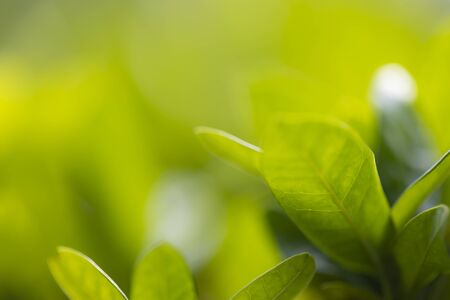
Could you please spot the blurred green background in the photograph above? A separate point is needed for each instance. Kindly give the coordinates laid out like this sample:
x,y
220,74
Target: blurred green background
x,y
98,100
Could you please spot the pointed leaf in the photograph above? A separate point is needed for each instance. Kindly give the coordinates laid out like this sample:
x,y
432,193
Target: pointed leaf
x,y
420,250
230,148
81,279
325,178
417,192
283,282
163,275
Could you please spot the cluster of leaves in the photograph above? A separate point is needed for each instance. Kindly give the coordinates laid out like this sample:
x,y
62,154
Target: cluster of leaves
x,y
325,178
163,274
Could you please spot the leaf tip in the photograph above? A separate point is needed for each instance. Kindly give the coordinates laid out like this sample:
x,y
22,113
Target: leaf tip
x,y
65,249
199,130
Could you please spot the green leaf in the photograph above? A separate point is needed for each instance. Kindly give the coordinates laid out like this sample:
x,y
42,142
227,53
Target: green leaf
x,y
325,178
80,278
420,250
284,281
417,192
230,148
163,275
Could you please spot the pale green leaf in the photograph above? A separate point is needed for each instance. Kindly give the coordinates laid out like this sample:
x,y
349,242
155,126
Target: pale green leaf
x,y
163,275
81,279
325,178
417,192
283,282
420,250
230,148
434,92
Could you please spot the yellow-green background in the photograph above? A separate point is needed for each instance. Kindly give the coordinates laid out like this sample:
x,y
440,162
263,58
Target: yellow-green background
x,y
98,100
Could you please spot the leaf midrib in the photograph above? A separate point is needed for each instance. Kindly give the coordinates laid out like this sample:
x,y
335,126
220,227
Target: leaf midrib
x,y
341,208
289,283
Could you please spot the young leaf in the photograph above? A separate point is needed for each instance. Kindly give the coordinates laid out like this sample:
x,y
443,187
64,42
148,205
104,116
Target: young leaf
x,y
81,279
417,192
420,250
284,281
162,275
230,148
325,178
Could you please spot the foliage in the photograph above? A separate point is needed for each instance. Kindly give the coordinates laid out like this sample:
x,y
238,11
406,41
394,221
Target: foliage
x,y
325,179
97,104
163,274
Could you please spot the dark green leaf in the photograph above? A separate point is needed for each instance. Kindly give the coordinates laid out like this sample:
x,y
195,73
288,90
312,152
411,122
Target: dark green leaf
x,y
416,193
163,275
324,176
420,251
230,148
283,282
81,279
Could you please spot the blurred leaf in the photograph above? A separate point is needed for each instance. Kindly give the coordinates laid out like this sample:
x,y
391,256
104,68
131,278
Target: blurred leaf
x,y
405,148
230,148
343,291
248,250
81,279
329,40
434,97
163,275
434,101
284,281
420,250
294,92
417,192
325,178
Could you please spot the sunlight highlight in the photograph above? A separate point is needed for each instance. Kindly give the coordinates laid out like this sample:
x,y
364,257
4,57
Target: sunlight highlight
x,y
392,85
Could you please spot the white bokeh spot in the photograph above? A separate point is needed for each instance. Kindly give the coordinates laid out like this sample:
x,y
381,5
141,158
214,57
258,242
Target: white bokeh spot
x,y
392,85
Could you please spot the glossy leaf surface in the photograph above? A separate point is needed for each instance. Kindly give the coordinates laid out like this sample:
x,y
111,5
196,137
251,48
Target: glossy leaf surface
x,y
324,176
230,148
81,279
284,282
420,250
